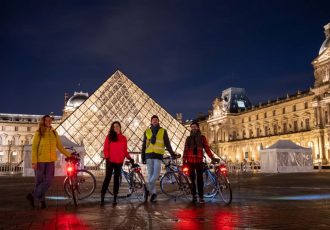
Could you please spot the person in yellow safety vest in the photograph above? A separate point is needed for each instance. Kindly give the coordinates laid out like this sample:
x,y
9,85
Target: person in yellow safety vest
x,y
153,148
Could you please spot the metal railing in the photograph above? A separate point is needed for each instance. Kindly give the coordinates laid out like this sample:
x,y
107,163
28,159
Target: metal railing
x,y
11,168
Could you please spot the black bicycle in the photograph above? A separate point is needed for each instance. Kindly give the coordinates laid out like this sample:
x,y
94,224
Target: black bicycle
x,y
131,182
79,183
175,182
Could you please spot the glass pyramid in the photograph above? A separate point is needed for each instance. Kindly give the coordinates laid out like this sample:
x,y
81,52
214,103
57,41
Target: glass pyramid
x,y
118,99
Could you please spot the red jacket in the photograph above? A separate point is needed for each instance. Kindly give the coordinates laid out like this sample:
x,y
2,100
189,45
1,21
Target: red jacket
x,y
188,153
116,151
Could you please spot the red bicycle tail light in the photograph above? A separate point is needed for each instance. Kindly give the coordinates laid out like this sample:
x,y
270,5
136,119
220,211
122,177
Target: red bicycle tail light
x,y
223,169
69,169
185,170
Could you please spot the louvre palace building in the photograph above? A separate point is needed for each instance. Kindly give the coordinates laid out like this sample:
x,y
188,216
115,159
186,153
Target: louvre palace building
x,y
236,129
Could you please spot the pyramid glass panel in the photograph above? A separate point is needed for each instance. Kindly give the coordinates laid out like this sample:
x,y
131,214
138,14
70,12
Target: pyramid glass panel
x,y
118,99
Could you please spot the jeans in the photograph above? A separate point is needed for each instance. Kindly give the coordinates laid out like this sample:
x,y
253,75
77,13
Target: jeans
x,y
44,175
109,168
153,168
194,169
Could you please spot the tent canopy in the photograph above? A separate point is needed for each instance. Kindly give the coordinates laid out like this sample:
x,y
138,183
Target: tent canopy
x,y
286,144
286,156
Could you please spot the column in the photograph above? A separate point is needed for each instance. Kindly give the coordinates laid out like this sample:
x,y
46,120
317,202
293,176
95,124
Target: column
x,y
320,116
316,116
328,109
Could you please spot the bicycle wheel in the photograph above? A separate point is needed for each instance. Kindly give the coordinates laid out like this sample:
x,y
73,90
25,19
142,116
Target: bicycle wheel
x,y
85,186
73,191
210,185
125,189
225,189
170,185
138,185
185,185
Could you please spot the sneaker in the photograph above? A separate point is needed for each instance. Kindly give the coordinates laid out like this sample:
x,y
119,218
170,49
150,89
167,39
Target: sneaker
x,y
201,200
30,198
146,196
43,205
153,197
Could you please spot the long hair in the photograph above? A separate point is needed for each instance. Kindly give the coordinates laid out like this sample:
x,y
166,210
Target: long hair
x,y
112,134
42,128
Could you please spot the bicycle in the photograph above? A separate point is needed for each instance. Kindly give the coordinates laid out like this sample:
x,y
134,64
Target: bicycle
x,y
217,182
175,181
134,182
79,183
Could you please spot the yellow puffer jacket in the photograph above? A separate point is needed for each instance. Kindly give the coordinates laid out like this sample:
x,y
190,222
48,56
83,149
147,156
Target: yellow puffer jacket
x,y
44,148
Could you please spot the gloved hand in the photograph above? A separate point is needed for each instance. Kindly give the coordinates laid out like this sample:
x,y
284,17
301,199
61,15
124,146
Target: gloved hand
x,y
215,160
131,161
175,156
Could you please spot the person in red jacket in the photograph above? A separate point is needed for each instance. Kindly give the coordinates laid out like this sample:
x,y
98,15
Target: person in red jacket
x,y
193,158
115,151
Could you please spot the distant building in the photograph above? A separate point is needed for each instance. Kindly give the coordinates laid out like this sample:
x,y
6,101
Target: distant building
x,y
237,130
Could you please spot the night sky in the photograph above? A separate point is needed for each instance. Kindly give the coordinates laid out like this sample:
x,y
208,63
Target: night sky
x,y
181,53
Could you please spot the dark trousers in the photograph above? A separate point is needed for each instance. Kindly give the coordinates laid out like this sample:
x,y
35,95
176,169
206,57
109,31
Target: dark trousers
x,y
196,169
109,168
44,175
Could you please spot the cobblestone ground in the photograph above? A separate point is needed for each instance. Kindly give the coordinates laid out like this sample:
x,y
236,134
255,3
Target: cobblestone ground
x,y
260,201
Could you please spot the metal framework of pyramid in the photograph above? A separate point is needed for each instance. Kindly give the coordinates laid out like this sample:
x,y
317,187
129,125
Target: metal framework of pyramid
x,y
118,99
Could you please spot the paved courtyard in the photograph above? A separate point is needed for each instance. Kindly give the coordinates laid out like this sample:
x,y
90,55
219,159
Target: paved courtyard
x,y
260,201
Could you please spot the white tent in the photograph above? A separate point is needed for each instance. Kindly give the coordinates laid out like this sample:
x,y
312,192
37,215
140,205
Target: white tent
x,y
59,164
286,156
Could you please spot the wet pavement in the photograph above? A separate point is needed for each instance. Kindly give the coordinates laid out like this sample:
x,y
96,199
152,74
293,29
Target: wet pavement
x,y
260,201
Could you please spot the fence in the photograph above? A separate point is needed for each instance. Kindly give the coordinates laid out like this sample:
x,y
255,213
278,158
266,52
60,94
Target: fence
x,y
11,169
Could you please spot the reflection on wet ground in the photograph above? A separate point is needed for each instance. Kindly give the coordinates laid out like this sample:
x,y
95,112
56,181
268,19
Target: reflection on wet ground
x,y
260,201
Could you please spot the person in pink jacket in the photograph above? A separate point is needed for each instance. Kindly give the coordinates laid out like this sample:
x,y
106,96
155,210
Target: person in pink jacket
x,y
115,151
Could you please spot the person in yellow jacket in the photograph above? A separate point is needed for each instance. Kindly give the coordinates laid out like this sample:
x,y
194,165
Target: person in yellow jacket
x,y
153,148
44,145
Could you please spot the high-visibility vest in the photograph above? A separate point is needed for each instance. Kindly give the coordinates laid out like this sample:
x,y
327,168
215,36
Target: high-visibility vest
x,y
159,146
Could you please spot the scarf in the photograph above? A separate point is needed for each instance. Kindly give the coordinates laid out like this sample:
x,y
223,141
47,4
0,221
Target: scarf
x,y
154,130
195,141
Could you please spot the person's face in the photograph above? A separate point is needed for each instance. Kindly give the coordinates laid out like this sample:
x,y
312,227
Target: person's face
x,y
194,128
116,128
154,121
48,122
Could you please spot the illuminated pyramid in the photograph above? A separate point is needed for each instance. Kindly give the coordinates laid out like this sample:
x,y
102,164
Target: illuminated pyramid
x,y
118,99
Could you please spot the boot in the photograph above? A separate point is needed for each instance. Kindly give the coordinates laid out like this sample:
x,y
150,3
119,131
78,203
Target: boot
x,y
114,202
102,199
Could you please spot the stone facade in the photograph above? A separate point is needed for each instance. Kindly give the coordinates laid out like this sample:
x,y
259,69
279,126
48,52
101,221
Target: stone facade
x,y
303,118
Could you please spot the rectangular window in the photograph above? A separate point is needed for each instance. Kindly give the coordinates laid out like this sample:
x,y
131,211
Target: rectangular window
x,y
258,132
265,115
29,129
294,108
257,117
306,105
285,128
307,123
274,113
326,117
295,126
266,130
16,128
275,129
283,110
